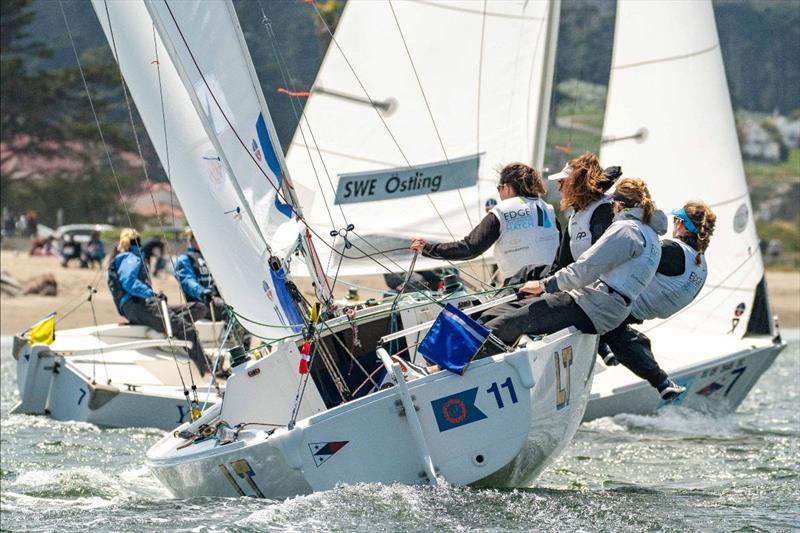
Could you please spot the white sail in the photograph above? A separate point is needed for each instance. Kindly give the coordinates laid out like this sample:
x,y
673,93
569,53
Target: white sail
x,y
232,242
219,75
669,121
456,88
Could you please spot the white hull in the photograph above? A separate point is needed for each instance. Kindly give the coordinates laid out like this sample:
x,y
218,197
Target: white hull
x,y
517,412
133,382
717,372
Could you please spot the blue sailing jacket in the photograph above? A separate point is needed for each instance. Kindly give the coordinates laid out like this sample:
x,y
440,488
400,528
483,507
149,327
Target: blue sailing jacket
x,y
127,278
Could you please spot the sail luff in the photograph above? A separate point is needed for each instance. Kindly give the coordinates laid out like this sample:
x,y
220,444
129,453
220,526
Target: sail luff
x,y
221,153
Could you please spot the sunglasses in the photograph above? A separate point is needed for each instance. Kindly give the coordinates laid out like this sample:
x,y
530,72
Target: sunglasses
x,y
500,186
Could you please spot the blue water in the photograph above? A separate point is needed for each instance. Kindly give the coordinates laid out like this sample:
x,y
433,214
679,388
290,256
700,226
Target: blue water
x,y
678,470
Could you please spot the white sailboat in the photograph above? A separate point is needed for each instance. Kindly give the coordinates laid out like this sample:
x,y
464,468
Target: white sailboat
x,y
669,121
277,433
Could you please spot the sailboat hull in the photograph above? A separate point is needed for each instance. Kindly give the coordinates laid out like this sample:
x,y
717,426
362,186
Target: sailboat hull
x,y
112,376
499,424
715,383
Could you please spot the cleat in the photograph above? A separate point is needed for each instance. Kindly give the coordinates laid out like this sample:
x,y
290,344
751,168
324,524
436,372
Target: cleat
x,y
669,390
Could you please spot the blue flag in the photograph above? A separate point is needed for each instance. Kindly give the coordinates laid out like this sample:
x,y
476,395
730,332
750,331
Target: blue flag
x,y
457,410
453,340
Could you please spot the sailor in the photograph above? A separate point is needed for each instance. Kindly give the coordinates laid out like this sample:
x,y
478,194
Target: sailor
x,y
679,278
199,288
135,299
594,293
195,278
583,184
522,227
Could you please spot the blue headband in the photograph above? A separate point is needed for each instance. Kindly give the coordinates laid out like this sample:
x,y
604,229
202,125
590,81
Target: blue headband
x,y
687,222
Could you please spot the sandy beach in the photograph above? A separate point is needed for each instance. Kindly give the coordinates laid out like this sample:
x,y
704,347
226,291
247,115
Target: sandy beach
x,y
19,312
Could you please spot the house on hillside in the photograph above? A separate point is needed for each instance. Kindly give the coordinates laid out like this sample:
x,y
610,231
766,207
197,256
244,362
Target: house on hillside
x,y
154,200
49,158
757,143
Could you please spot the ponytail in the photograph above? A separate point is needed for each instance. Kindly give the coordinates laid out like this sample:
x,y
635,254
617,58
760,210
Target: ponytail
x,y
704,220
128,237
633,192
523,179
582,186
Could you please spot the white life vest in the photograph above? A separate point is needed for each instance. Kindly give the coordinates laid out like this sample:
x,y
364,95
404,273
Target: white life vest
x,y
528,234
666,295
579,227
631,277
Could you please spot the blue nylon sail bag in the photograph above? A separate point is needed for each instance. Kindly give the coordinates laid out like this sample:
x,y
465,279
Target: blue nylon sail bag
x,y
453,340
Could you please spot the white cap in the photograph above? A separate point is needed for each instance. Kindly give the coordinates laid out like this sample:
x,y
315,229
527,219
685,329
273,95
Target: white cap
x,y
563,173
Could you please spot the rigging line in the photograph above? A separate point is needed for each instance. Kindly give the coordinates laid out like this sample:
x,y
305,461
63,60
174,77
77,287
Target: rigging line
x,y
102,352
94,114
100,129
152,197
478,119
300,117
442,5
377,111
711,291
427,104
168,168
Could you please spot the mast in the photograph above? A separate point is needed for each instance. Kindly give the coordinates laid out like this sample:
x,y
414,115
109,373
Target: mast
x,y
542,119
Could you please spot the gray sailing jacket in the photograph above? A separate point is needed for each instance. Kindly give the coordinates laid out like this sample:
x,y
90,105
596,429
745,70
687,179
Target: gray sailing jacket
x,y
622,242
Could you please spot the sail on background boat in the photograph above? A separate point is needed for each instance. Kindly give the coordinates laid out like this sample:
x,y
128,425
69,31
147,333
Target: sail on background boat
x,y
456,91
668,82
213,200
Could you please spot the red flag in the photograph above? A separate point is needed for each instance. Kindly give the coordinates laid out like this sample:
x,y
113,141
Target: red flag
x,y
305,357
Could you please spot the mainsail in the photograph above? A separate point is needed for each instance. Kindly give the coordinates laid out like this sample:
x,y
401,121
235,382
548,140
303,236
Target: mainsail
x,y
221,210
669,121
416,106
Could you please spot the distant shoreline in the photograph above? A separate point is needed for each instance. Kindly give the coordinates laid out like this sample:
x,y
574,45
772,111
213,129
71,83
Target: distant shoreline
x,y
17,313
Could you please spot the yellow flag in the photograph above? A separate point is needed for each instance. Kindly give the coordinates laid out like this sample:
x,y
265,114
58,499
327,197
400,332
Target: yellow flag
x,y
44,332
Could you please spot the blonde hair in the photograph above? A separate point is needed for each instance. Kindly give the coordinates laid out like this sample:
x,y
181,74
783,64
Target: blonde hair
x,y
582,186
126,238
704,220
524,179
633,192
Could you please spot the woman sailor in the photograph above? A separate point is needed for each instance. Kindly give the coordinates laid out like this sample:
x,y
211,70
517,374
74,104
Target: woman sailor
x,y
129,283
679,278
594,293
583,184
522,227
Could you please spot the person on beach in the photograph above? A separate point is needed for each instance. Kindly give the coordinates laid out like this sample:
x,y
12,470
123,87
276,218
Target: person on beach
x,y
583,185
522,227
129,283
94,253
680,276
594,293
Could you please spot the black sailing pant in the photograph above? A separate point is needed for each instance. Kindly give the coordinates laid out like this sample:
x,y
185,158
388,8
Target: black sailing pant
x,y
541,315
633,350
147,313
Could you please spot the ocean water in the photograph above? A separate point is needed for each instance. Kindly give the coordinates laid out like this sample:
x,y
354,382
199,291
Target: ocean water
x,y
677,470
